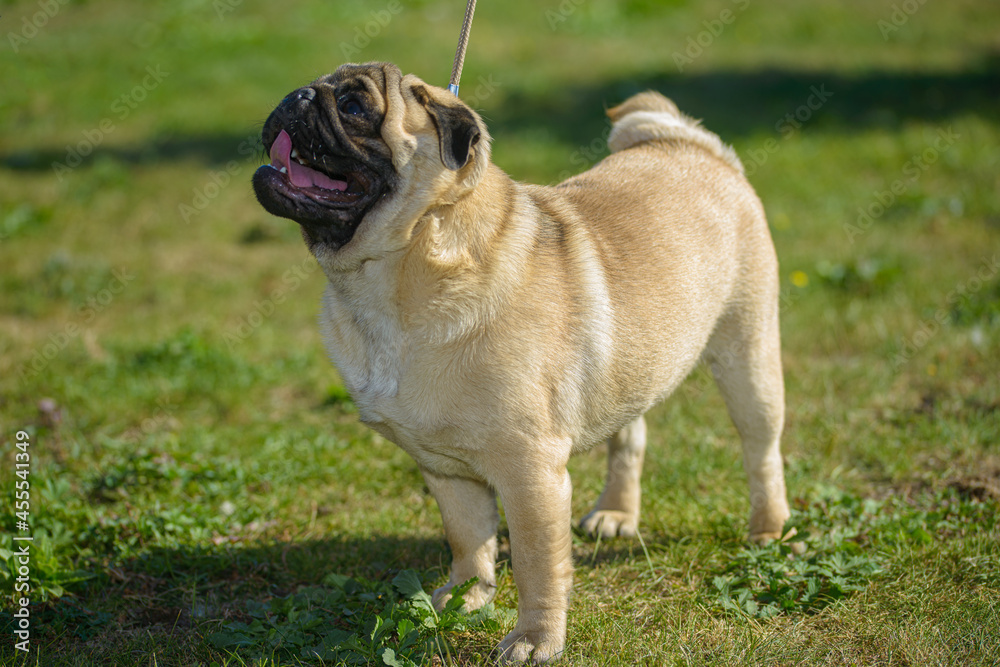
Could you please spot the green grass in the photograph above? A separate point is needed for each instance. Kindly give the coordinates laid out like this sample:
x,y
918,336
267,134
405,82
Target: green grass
x,y
197,473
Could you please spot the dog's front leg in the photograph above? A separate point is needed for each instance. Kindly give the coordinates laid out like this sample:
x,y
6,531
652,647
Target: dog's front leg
x,y
469,511
536,501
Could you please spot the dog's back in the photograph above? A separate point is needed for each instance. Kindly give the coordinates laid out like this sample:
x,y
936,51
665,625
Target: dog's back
x,y
679,246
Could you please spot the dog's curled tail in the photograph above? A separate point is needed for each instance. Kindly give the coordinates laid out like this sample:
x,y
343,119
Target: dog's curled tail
x,y
650,116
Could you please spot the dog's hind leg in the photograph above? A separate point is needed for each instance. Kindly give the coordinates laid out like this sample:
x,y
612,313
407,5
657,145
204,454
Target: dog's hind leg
x,y
617,510
745,358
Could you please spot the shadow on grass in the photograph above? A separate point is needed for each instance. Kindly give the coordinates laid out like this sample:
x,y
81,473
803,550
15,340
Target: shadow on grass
x,y
188,585
282,566
739,104
180,588
170,597
169,600
286,565
732,103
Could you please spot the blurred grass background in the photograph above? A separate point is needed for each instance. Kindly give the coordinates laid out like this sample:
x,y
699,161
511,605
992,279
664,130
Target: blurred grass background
x,y
192,447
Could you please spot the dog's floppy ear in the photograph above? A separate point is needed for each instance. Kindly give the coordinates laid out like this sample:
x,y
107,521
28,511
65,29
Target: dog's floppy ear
x,y
458,131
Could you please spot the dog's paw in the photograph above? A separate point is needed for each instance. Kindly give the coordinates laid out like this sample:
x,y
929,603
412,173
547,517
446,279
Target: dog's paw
x,y
766,537
520,647
477,596
610,523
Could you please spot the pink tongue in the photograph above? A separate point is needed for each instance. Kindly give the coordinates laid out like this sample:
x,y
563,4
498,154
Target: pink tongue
x,y
281,149
300,175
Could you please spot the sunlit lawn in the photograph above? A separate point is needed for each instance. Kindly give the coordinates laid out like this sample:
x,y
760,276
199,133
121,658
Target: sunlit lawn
x,y
192,453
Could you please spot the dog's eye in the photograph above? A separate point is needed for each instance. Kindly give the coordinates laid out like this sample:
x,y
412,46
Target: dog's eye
x,y
350,106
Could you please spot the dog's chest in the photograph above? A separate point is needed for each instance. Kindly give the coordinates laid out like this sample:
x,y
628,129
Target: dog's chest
x,y
365,343
393,393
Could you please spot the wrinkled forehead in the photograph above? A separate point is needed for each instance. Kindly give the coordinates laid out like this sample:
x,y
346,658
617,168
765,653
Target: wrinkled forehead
x,y
368,81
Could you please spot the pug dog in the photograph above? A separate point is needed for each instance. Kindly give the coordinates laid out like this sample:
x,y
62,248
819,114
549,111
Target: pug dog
x,y
492,328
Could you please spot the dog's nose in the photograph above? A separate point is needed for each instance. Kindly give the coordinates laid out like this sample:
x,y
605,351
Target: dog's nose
x,y
305,94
